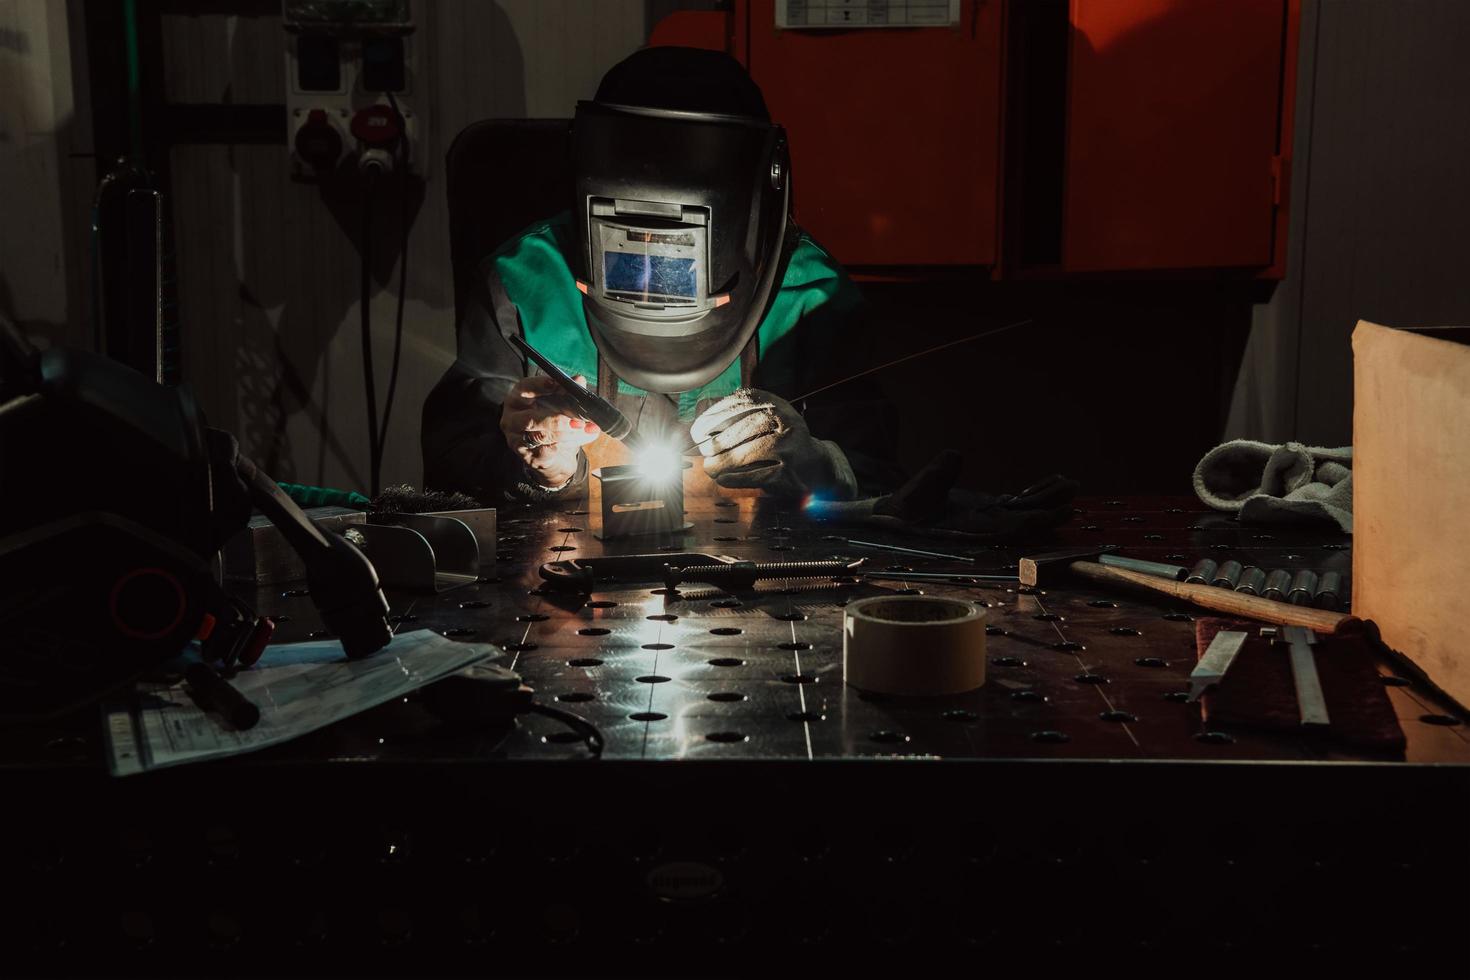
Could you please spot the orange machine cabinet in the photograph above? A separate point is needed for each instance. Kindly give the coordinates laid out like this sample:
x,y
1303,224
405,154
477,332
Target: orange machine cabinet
x,y
894,131
1175,135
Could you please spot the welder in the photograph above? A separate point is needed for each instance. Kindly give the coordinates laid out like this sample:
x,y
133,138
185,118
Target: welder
x,y
678,286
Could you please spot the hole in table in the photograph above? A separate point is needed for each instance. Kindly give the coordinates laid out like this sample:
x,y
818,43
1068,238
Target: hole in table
x,y
1008,661
295,593
726,538
726,662
795,645
658,646
727,697
1125,631
561,547
517,647
1050,736
960,714
1090,679
790,617
576,697
1047,617
1117,716
1214,738
889,737
1151,662
569,530
995,631
1034,697
806,716
593,631
1103,604
562,738
652,679
1179,617
474,604
532,618
1177,696
1068,646
584,662
726,631
727,737
798,679
648,716
662,617
600,604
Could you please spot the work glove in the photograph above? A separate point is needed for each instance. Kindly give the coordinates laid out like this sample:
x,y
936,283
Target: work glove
x,y
754,439
930,503
1271,484
542,427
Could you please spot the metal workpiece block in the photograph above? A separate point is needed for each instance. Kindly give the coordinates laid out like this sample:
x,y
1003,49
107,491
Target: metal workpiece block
x,y
1228,574
1252,581
1278,584
1329,591
1303,588
628,501
1203,572
260,555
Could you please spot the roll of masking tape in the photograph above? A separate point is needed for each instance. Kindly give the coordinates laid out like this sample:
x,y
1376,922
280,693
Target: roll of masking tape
x,y
913,645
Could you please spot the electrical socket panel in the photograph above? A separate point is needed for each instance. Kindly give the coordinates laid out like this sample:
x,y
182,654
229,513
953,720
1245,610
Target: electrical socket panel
x,y
339,119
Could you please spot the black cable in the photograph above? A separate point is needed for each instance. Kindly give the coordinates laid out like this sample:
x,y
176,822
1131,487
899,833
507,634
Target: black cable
x,y
369,386
403,219
589,732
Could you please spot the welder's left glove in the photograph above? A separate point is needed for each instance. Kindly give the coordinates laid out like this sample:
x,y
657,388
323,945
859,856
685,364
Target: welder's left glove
x,y
754,439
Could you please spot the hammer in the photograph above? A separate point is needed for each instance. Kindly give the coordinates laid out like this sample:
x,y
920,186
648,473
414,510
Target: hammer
x,y
1057,567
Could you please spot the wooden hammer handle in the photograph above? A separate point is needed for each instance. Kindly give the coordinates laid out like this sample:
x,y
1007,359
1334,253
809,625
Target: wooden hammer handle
x,y
1223,600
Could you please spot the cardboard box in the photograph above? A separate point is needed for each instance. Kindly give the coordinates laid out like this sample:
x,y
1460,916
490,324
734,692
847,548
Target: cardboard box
x,y
1411,495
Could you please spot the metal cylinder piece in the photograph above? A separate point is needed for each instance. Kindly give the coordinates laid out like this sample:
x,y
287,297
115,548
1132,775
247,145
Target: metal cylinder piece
x,y
1329,591
1252,581
1278,583
1303,588
1203,572
1228,574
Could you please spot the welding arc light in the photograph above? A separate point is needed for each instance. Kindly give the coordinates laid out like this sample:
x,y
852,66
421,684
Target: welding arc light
x,y
659,464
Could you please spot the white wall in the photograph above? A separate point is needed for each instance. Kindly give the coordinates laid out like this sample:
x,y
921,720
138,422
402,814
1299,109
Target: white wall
x,y
45,175
1380,224
269,278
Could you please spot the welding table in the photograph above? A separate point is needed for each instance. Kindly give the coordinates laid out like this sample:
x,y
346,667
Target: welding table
x,y
747,801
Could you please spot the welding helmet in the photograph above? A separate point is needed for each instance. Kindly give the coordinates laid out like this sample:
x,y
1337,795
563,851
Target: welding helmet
x,y
682,206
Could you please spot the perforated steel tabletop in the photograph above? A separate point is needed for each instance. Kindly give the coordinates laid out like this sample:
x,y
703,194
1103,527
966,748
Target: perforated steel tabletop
x,y
1086,673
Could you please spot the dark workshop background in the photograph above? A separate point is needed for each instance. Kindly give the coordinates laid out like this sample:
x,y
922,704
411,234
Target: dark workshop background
x,y
1122,381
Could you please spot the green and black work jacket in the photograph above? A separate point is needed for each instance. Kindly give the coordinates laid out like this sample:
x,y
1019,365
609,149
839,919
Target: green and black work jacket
x,y
806,336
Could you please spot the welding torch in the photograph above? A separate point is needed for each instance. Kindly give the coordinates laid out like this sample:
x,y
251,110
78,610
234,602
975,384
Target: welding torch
x,y
589,404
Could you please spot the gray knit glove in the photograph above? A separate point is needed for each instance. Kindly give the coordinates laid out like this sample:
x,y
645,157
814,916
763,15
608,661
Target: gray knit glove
x,y
1283,484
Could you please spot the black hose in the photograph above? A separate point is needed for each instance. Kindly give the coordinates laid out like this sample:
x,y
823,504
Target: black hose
x,y
369,385
403,220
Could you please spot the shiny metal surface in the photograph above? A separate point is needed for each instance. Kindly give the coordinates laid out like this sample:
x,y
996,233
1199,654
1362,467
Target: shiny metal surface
x,y
1075,672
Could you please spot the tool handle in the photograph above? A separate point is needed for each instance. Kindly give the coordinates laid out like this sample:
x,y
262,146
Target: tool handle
x,y
590,404
1221,600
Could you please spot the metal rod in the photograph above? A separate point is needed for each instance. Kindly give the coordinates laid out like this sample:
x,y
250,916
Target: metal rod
x,y
909,551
